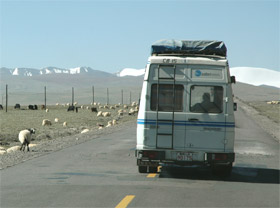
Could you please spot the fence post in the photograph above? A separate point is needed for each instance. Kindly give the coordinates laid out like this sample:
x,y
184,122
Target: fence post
x,y
107,96
72,96
45,97
92,94
122,97
6,98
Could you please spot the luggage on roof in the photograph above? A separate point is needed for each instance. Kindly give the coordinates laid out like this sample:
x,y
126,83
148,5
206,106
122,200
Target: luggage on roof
x,y
189,47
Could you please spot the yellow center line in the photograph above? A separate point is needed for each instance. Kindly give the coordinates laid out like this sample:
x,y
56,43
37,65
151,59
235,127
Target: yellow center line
x,y
151,175
126,200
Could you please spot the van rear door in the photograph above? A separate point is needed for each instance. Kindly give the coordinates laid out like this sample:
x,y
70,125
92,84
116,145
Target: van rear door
x,y
205,122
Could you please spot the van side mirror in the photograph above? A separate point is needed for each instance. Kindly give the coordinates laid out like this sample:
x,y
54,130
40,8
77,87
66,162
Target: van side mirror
x,y
235,106
232,79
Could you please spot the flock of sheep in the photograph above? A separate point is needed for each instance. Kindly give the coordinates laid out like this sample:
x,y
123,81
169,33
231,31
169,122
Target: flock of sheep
x,y
273,102
25,135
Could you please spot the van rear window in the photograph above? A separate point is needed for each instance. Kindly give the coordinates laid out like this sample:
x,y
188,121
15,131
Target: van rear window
x,y
162,97
206,99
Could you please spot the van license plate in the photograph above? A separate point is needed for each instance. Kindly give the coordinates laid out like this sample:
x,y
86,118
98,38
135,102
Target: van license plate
x,y
185,156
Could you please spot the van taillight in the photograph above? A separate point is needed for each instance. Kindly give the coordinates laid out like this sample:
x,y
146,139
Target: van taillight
x,y
219,156
150,154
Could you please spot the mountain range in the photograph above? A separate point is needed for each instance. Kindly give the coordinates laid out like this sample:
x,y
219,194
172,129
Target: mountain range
x,y
26,85
248,75
29,72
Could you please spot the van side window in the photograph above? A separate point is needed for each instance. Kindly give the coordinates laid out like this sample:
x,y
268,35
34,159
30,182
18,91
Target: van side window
x,y
206,99
165,97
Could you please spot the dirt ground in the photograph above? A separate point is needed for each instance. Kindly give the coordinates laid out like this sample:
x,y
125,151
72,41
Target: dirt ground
x,y
55,137
13,121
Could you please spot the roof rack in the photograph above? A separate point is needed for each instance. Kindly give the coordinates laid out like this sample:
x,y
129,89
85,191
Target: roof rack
x,y
189,47
188,55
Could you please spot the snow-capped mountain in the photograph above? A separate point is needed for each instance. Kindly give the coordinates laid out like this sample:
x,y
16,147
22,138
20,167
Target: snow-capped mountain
x,y
256,76
248,75
130,72
24,72
51,70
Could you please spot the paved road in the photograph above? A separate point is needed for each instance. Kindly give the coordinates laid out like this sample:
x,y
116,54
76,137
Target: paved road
x,y
103,173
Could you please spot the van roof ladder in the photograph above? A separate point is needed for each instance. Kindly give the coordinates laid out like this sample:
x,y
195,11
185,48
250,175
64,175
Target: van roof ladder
x,y
173,105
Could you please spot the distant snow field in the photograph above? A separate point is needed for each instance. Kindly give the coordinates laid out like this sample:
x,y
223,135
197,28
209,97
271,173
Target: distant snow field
x,y
248,75
256,76
131,72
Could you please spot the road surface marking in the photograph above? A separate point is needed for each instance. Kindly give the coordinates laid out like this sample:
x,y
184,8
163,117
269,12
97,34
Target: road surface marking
x,y
126,200
151,175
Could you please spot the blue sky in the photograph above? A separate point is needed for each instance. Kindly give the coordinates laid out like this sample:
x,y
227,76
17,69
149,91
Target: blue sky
x,y
112,35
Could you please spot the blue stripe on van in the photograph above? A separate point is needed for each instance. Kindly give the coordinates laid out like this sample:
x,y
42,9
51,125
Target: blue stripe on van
x,y
187,123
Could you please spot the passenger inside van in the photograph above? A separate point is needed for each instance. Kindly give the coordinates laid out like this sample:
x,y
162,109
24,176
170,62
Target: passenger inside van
x,y
206,106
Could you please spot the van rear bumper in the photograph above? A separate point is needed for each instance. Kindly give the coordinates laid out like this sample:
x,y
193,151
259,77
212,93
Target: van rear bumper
x,y
154,157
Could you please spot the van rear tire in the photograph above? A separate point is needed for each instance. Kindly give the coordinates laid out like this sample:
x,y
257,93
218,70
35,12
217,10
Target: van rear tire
x,y
152,169
142,169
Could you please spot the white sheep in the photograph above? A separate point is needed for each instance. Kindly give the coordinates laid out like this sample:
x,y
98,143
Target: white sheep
x,y
99,113
47,110
32,145
64,123
134,104
13,149
2,150
24,137
56,120
131,112
46,122
114,122
85,131
109,124
106,114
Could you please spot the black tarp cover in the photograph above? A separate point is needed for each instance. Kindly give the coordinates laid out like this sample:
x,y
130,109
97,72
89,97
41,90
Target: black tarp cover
x,y
195,47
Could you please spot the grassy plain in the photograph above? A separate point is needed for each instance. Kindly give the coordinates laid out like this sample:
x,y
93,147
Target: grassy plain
x,y
268,110
13,121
